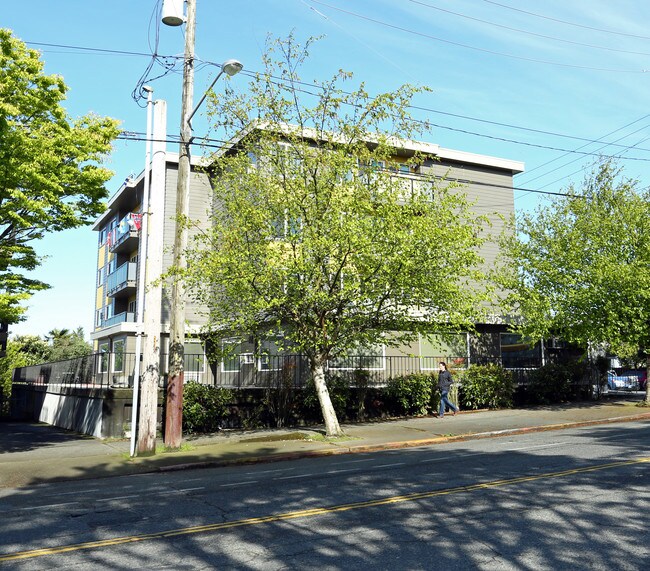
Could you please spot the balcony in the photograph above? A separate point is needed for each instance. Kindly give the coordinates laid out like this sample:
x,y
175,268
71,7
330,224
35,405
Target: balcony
x,y
122,282
124,238
124,317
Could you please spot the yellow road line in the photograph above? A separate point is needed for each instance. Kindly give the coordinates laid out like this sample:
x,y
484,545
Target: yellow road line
x,y
308,512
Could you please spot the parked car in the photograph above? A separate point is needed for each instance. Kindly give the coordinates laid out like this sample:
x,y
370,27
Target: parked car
x,y
626,380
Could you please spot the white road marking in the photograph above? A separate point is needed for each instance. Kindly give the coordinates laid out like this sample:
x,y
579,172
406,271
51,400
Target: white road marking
x,y
238,484
46,506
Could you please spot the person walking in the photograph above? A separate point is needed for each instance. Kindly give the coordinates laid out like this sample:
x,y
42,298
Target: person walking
x,y
444,384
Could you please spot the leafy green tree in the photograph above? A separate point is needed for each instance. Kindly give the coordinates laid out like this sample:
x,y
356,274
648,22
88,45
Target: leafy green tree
x,y
66,344
580,266
34,349
51,177
312,245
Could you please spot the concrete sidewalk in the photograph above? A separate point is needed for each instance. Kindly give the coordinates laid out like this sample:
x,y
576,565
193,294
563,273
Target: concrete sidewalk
x,y
35,453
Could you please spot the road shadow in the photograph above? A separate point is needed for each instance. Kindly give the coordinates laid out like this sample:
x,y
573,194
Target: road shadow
x,y
470,508
26,436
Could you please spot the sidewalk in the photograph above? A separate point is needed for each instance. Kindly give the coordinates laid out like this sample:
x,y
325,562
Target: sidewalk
x,y
35,453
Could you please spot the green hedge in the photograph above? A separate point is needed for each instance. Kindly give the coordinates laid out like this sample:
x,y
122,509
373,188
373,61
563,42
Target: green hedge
x,y
550,384
204,407
486,386
207,408
411,394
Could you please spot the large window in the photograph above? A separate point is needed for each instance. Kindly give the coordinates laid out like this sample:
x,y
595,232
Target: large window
x,y
103,357
269,358
193,361
452,348
118,355
233,350
371,357
519,353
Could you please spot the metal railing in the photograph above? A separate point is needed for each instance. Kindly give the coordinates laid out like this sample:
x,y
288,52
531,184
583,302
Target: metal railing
x,y
106,369
240,371
121,277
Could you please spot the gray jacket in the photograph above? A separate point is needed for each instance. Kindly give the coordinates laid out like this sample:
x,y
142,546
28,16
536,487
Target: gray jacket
x,y
444,380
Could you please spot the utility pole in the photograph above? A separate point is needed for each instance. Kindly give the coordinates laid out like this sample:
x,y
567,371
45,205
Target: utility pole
x,y
142,256
153,263
174,398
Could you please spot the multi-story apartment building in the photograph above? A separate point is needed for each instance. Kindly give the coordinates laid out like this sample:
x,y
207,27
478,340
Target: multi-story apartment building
x,y
487,180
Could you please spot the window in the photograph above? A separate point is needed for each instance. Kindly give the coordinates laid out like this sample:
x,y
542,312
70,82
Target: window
x,y
102,365
132,306
452,348
371,357
269,357
99,317
232,349
519,353
118,352
101,276
193,361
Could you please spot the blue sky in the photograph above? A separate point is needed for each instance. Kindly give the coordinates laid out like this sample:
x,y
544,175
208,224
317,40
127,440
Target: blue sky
x,y
552,84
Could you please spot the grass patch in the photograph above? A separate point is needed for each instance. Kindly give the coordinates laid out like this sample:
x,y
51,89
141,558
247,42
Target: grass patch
x,y
185,447
304,436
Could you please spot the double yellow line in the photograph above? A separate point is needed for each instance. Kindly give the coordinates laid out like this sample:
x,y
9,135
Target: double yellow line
x,y
307,513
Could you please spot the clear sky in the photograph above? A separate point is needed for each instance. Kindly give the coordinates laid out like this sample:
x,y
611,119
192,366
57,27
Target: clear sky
x,y
552,84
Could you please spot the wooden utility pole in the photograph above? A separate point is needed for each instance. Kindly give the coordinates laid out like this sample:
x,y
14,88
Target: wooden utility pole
x,y
174,397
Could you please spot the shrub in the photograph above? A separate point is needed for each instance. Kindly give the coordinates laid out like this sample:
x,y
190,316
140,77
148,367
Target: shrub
x,y
411,394
280,398
204,407
549,384
487,386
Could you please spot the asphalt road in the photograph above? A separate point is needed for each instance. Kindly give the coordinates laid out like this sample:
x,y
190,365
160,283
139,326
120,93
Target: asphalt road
x,y
569,499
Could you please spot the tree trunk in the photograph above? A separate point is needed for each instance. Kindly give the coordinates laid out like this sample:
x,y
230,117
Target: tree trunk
x,y
147,424
646,400
332,427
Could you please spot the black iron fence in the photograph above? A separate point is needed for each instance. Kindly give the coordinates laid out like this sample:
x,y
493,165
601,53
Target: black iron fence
x,y
106,369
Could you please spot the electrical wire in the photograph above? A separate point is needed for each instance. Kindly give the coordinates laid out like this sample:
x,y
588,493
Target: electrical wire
x,y
206,63
527,32
218,144
567,23
467,46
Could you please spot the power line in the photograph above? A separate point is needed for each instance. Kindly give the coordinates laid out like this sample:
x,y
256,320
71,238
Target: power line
x,y
218,144
484,50
567,23
528,32
419,108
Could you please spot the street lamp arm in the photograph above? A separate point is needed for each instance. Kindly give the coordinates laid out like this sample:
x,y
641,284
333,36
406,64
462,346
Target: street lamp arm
x,y
230,67
189,118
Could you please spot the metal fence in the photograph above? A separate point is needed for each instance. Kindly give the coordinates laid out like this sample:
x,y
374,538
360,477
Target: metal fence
x,y
106,369
100,370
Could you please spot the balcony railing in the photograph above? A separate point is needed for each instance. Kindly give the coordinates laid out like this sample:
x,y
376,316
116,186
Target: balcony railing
x,y
122,280
124,237
124,317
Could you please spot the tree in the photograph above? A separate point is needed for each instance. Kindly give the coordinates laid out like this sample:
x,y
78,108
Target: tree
x,y
66,344
51,177
579,268
318,249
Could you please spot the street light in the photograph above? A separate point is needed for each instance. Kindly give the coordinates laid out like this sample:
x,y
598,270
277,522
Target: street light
x,y
174,400
229,67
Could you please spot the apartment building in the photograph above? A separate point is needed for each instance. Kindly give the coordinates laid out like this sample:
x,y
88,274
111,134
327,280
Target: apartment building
x,y
487,181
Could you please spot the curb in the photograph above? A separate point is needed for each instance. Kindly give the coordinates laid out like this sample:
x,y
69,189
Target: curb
x,y
395,445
